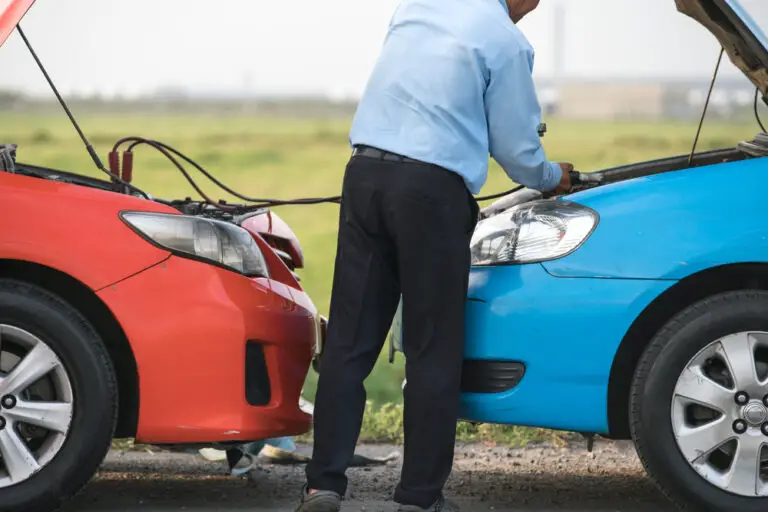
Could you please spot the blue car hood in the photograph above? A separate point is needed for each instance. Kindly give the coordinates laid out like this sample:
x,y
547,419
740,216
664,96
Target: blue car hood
x,y
738,33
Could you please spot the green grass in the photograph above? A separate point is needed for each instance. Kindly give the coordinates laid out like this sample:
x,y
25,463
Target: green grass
x,y
383,424
286,158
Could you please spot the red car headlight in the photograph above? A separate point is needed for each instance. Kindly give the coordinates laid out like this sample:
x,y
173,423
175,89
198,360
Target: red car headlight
x,y
211,241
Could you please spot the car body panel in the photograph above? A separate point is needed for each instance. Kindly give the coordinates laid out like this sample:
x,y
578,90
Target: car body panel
x,y
188,323
273,228
76,231
737,31
711,216
11,12
522,313
278,270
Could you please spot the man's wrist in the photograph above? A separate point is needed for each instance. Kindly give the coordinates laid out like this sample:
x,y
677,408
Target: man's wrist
x,y
553,174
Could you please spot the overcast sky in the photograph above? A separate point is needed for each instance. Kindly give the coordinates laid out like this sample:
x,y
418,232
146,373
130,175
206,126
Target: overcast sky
x,y
327,47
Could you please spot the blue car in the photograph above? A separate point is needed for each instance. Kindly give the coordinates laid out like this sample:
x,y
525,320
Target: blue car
x,y
636,307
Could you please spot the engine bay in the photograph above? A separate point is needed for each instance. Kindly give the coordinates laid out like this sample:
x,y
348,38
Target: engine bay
x,y
756,148
233,213
236,213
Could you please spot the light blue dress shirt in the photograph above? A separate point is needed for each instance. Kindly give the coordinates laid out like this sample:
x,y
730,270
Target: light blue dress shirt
x,y
452,85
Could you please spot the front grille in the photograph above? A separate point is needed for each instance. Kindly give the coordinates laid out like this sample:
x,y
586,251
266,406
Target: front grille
x,y
257,389
483,376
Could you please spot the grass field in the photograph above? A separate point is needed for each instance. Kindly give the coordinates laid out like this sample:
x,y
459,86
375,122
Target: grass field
x,y
286,158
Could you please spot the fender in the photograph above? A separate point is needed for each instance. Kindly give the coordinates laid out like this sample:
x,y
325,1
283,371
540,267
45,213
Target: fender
x,y
277,233
73,229
672,225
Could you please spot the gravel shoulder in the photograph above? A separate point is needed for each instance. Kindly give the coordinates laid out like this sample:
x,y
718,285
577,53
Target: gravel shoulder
x,y
532,479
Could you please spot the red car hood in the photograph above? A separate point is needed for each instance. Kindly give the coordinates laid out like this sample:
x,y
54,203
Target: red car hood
x,y
11,12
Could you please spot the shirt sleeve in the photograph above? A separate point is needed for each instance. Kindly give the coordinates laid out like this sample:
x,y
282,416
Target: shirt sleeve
x,y
514,114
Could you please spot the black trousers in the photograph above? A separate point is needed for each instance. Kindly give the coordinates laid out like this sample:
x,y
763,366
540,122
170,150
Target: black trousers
x,y
404,228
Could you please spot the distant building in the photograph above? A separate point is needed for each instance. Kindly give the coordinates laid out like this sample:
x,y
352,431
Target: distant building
x,y
606,101
642,100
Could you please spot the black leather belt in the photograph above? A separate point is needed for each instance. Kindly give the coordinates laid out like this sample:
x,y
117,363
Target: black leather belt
x,y
379,154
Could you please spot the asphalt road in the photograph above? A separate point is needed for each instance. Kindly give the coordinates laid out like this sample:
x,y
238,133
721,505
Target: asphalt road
x,y
485,478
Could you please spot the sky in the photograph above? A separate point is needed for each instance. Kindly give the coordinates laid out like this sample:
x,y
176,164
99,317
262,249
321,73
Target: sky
x,y
328,47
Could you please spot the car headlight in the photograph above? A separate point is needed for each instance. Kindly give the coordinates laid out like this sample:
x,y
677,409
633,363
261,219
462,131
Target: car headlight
x,y
532,232
211,241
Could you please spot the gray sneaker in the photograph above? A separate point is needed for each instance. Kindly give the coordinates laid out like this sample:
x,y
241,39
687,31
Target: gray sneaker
x,y
320,501
441,505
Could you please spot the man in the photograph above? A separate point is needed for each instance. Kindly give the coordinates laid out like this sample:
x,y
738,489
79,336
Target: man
x,y
452,85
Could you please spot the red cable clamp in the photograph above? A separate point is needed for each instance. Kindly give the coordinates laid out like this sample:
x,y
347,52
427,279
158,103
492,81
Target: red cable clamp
x,y
127,166
114,165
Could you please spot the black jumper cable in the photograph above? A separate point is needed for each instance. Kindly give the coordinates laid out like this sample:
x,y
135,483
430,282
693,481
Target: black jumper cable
x,y
122,175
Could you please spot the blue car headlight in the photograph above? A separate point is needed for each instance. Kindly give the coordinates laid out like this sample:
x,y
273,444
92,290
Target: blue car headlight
x,y
532,232
211,241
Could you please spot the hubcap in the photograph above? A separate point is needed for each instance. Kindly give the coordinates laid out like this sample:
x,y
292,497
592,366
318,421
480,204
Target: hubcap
x,y
721,437
36,405
755,414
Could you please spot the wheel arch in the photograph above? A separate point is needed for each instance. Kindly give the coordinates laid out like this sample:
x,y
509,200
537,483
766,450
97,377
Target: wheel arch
x,y
686,292
82,298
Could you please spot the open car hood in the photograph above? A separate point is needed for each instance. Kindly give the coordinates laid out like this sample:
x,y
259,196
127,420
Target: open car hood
x,y
740,35
11,12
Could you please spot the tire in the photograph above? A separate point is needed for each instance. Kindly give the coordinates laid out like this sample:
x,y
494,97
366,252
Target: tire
x,y
657,396
91,379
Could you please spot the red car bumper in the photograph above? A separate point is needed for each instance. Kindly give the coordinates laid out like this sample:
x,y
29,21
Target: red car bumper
x,y
220,357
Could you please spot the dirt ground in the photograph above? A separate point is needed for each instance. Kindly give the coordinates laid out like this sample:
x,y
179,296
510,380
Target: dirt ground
x,y
533,479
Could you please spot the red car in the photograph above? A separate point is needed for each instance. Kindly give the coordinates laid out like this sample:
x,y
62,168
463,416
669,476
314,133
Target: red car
x,y
171,322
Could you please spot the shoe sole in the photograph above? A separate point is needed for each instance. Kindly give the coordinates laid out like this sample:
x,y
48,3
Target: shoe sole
x,y
320,504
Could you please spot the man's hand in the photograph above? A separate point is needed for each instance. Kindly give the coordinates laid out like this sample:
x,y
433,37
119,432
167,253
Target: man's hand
x,y
565,181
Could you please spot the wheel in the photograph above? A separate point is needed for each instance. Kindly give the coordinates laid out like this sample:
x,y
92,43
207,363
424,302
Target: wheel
x,y
699,405
58,400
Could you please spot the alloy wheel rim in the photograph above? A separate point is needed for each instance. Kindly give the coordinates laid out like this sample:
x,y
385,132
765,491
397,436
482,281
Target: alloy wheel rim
x,y
720,413
36,405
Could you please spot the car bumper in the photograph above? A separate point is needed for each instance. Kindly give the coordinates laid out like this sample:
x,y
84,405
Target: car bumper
x,y
564,332
220,357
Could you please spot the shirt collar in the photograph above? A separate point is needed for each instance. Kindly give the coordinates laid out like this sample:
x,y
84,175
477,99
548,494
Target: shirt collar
x,y
504,4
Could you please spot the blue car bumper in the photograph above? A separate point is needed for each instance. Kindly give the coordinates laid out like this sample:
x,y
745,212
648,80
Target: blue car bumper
x,y
566,332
